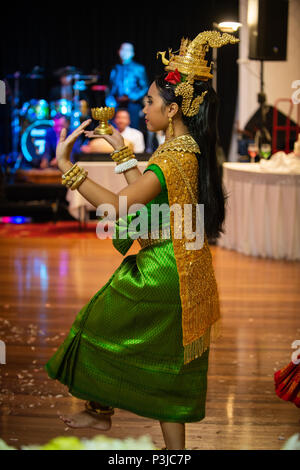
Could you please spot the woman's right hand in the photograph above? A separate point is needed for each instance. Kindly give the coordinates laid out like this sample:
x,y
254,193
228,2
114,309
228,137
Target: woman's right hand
x,y
65,143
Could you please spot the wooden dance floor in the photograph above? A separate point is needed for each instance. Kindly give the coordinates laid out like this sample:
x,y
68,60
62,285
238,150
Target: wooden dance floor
x,y
44,284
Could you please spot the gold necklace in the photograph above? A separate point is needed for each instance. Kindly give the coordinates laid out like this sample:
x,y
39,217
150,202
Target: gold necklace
x,y
173,138
182,143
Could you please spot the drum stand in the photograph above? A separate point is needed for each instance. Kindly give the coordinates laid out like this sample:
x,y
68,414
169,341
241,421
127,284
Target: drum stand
x,y
83,217
75,118
15,124
15,158
15,117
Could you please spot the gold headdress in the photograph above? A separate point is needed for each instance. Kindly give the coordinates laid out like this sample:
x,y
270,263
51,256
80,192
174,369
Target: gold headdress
x,y
191,63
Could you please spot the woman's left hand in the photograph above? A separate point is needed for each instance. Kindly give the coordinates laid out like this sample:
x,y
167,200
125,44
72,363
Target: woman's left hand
x,y
116,140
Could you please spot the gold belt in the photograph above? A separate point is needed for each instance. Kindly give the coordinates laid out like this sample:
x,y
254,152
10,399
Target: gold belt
x,y
155,237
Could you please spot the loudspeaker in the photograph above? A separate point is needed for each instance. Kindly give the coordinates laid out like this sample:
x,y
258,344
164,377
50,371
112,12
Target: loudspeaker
x,y
268,25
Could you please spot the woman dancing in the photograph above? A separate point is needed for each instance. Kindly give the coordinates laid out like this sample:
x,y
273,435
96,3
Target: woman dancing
x,y
142,342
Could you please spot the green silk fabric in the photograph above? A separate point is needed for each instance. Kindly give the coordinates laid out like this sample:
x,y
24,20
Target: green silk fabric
x,y
125,348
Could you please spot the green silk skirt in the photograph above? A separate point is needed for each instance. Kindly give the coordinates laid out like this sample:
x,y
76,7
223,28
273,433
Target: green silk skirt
x,y
125,349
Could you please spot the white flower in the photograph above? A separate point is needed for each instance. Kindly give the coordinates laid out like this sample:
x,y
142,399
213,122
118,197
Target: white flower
x,y
293,443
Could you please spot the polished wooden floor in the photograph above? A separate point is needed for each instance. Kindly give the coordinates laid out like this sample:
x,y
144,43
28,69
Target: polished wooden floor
x,y
45,282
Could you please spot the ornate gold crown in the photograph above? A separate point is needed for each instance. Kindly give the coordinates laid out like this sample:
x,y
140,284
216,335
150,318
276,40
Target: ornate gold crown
x,y
191,63
191,57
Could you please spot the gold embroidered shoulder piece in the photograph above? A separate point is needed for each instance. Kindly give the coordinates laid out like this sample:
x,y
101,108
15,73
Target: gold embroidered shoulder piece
x,y
183,143
198,287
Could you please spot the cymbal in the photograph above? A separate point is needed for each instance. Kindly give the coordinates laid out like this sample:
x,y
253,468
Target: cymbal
x,y
34,76
88,77
68,70
15,75
36,73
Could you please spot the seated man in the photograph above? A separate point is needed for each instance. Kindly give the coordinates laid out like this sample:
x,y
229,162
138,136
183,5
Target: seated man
x,y
133,138
122,122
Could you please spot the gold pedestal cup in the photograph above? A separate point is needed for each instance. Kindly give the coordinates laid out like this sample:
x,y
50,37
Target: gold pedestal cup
x,y
103,115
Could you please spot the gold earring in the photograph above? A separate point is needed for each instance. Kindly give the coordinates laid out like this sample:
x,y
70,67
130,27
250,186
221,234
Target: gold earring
x,y
171,130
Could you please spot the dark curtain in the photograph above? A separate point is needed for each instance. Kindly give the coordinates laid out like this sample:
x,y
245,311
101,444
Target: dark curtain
x,y
88,35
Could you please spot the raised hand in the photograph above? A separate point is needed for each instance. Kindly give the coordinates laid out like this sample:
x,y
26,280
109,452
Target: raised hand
x,y
65,144
116,140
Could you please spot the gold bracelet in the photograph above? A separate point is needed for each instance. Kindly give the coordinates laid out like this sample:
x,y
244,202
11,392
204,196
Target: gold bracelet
x,y
118,156
72,177
123,157
72,180
71,169
127,151
119,150
125,160
71,173
79,181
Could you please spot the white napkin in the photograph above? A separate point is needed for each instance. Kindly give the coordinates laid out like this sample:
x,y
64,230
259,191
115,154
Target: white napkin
x,y
281,162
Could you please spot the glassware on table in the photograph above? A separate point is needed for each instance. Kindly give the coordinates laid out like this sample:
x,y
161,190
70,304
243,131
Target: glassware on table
x,y
265,151
252,151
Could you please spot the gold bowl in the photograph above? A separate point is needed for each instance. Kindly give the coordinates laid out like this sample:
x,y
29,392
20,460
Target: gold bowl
x,y
103,115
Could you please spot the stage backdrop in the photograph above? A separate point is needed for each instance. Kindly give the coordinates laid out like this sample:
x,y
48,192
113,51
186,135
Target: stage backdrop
x,y
87,35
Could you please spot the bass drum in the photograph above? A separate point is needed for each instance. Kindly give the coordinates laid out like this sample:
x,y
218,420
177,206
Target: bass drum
x,y
33,141
35,110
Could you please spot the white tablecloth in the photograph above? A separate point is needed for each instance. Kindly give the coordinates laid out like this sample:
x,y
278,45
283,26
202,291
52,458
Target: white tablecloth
x,y
263,211
102,173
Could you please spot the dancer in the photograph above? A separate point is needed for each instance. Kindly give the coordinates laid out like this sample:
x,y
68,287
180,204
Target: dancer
x,y
142,342
287,381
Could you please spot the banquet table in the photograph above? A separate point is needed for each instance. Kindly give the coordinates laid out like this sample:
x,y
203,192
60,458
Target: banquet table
x,y
102,173
262,211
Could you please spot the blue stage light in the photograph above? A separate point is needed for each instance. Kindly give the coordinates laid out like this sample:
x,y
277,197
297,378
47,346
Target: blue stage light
x,y
18,219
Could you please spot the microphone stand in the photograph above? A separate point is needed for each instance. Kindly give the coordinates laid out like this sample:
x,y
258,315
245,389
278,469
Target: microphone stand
x,y
75,121
262,134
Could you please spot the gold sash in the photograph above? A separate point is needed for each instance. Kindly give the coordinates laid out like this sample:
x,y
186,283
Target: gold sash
x,y
198,287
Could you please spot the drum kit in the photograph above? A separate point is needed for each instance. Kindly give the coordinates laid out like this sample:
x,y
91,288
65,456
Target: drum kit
x,y
31,120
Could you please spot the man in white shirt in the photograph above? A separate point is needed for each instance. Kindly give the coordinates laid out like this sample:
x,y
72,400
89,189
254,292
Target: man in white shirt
x,y
122,122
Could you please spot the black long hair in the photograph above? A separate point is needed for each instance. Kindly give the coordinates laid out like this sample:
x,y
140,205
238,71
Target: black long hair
x,y
203,128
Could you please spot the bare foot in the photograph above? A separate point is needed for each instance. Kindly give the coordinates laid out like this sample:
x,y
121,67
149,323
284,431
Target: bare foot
x,y
86,420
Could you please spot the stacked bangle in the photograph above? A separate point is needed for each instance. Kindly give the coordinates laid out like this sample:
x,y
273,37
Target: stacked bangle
x,y
74,177
120,155
124,158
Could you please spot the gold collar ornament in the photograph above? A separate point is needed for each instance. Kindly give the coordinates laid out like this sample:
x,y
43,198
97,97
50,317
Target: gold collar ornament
x,y
190,65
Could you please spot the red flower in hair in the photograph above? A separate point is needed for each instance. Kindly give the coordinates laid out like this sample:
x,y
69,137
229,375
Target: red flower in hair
x,y
173,77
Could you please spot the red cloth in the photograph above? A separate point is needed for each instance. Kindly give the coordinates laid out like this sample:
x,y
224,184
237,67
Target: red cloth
x,y
287,383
